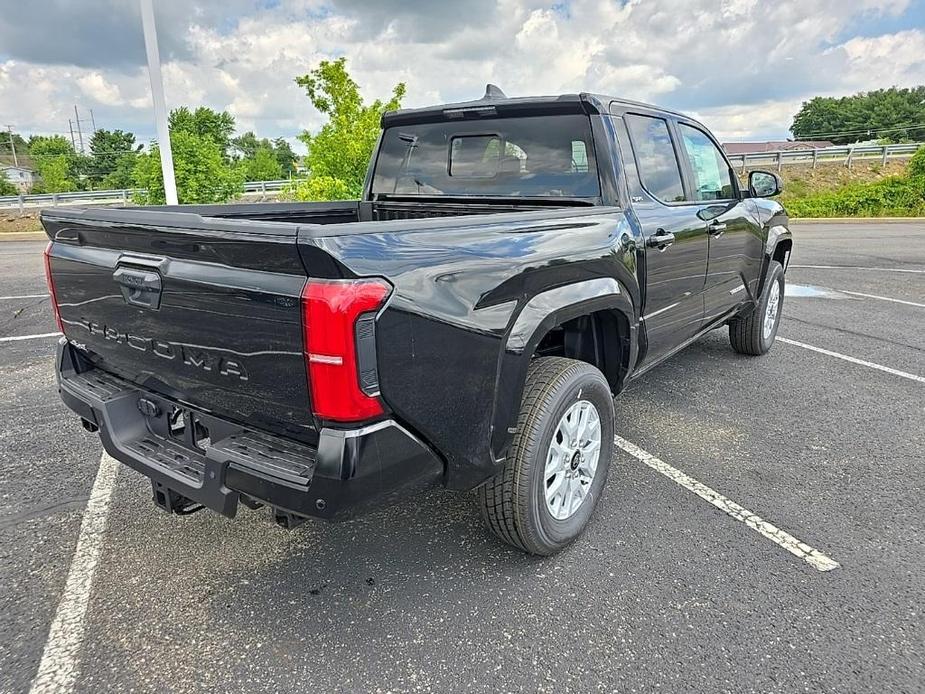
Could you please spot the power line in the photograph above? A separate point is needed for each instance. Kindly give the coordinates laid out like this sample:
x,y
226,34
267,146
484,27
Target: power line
x,y
862,131
102,151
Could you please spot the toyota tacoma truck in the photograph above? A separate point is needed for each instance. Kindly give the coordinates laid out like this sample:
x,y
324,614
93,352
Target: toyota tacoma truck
x,y
512,265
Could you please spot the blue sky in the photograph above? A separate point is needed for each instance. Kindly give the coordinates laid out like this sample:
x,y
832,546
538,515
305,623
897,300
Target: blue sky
x,y
742,66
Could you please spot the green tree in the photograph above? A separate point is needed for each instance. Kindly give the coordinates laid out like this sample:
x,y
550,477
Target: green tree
x,y
58,165
247,146
262,166
285,156
890,115
339,153
204,122
112,158
201,172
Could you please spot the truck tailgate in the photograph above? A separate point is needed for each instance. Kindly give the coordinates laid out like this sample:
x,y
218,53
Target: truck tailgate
x,y
206,312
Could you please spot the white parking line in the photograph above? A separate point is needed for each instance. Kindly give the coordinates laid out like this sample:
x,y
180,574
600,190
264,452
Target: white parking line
x,y
811,556
882,298
857,267
61,659
17,338
853,360
23,296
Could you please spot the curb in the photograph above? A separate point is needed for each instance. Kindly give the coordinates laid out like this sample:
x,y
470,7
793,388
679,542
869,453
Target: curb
x,y
23,236
857,220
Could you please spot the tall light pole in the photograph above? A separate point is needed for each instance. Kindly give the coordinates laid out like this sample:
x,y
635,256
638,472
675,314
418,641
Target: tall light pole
x,y
157,96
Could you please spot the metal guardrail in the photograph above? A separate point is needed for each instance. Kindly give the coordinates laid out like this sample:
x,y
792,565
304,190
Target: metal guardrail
x,y
846,155
113,197
780,158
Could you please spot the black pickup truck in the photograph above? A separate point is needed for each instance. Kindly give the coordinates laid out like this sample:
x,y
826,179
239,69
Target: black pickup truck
x,y
513,264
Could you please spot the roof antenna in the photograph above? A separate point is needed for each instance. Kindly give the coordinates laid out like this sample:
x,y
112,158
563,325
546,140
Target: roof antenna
x,y
493,91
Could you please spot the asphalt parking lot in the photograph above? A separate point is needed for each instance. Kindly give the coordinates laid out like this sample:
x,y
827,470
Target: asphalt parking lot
x,y
664,592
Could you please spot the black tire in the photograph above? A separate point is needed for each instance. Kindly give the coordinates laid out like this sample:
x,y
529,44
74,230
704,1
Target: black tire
x,y
513,503
747,333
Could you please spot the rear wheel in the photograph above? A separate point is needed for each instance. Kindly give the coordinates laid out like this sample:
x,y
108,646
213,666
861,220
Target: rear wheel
x,y
755,333
559,460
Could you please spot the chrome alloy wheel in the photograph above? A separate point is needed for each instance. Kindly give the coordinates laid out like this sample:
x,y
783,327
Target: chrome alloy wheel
x,y
571,462
770,315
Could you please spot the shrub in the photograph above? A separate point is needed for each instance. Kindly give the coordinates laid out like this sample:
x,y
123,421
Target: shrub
x,y
321,188
901,196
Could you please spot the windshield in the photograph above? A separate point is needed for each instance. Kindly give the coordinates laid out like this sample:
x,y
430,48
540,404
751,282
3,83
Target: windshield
x,y
531,156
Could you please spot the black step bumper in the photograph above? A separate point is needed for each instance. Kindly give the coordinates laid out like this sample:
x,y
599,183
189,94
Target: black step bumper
x,y
215,462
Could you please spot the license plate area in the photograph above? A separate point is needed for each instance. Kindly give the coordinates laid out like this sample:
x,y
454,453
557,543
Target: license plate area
x,y
181,425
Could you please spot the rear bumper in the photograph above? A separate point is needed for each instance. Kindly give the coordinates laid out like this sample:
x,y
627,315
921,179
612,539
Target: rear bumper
x,y
217,463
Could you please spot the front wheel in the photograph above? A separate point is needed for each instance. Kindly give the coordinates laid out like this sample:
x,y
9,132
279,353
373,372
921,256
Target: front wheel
x,y
754,334
553,477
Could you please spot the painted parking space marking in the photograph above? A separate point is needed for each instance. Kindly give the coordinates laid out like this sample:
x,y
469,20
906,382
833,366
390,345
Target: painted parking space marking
x,y
17,338
23,296
60,662
811,556
854,360
858,267
883,298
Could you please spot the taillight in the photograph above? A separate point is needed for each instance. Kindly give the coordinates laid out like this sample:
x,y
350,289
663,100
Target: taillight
x,y
338,332
51,288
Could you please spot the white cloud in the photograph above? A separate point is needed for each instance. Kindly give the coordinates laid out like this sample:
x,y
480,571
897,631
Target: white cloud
x,y
743,66
899,56
98,88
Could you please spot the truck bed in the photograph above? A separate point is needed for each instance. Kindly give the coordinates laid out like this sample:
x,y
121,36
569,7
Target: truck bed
x,y
348,211
227,336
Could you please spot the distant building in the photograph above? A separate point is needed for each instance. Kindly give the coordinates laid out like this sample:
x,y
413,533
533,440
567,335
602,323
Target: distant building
x,y
19,176
754,147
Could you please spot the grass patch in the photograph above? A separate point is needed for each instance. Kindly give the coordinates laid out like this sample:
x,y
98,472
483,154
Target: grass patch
x,y
865,190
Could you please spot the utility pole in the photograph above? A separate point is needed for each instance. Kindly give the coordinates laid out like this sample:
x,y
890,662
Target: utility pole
x,y
80,135
12,145
160,104
92,122
70,126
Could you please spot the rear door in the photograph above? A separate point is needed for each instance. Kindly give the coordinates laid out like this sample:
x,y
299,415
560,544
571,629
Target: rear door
x,y
675,238
734,236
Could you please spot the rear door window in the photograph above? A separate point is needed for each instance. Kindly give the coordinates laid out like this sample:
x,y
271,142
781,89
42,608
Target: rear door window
x,y
656,160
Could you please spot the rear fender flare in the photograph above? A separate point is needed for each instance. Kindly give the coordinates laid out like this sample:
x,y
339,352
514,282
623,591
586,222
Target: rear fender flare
x,y
538,316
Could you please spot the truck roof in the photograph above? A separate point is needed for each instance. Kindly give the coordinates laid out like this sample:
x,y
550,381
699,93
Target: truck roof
x,y
496,102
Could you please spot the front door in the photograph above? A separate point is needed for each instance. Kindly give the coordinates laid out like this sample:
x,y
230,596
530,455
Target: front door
x,y
734,236
676,245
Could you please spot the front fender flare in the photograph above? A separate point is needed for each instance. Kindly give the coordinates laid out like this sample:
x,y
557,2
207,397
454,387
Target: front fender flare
x,y
776,234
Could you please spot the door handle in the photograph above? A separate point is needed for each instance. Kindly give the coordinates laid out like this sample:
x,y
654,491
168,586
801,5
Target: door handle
x,y
661,239
716,228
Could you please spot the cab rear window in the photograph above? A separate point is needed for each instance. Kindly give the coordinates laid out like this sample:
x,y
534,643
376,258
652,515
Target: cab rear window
x,y
527,156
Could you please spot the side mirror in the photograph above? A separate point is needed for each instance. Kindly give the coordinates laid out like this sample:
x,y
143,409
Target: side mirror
x,y
764,184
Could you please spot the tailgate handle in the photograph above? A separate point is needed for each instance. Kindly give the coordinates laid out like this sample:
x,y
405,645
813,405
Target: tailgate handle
x,y
139,287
